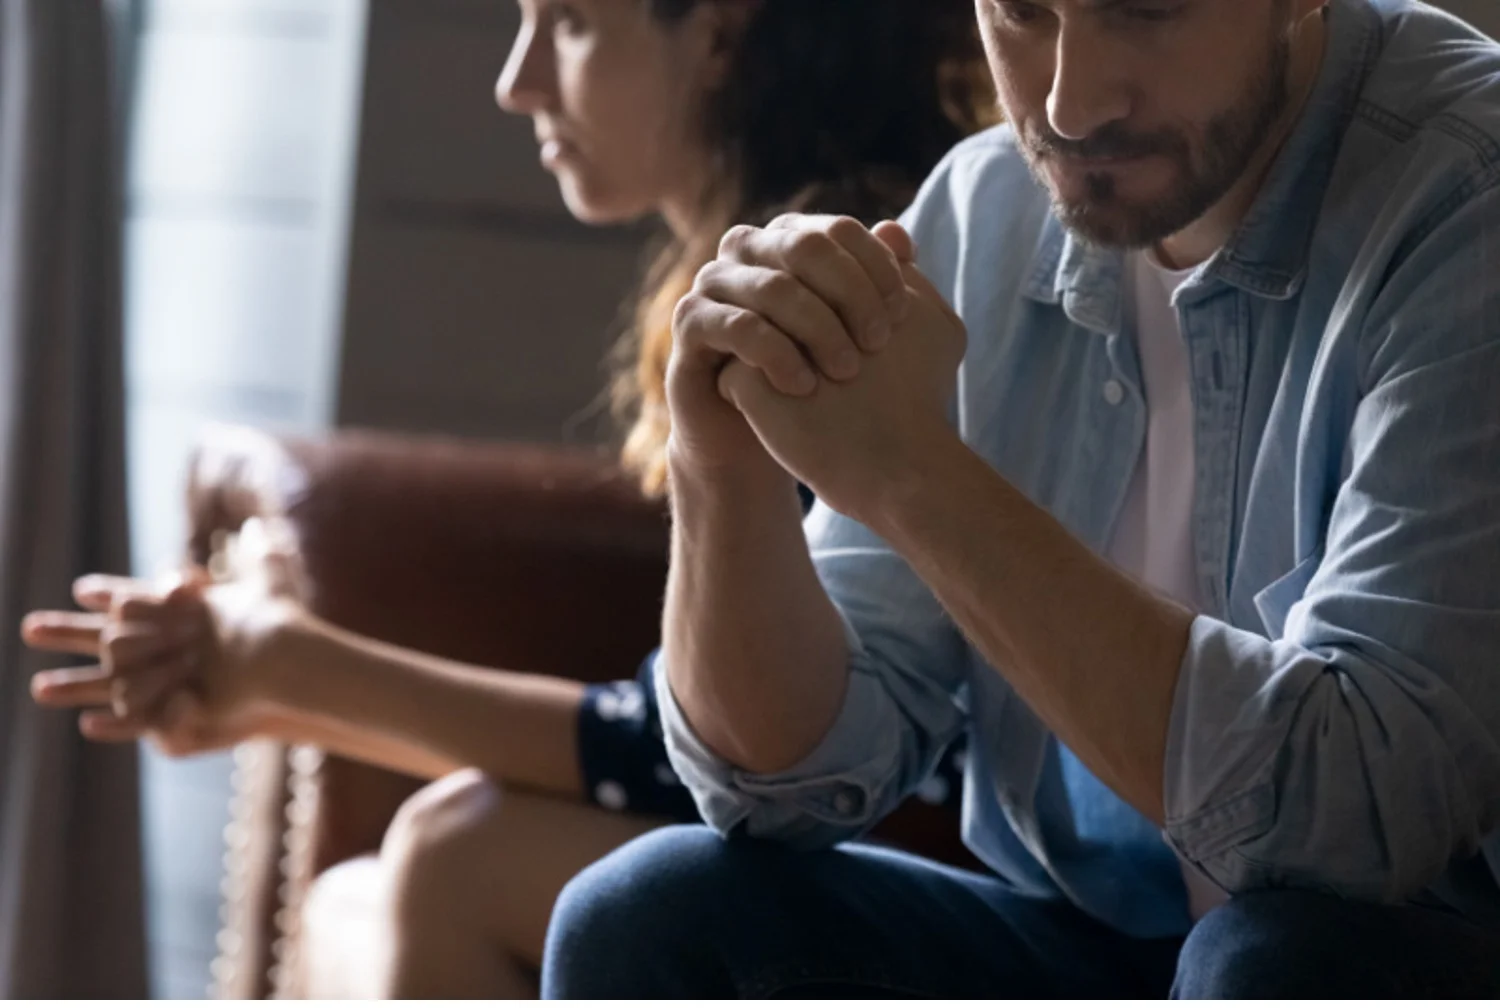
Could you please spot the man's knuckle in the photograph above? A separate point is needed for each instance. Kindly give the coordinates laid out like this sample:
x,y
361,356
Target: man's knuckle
x,y
844,229
787,220
806,247
737,239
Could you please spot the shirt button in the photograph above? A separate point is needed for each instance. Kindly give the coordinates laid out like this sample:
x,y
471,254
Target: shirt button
x,y
848,802
1114,392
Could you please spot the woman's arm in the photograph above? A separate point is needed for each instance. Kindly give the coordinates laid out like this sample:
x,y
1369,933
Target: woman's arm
x,y
420,714
202,668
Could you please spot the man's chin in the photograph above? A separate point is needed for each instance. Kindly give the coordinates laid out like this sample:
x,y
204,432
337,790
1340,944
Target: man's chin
x,y
1112,227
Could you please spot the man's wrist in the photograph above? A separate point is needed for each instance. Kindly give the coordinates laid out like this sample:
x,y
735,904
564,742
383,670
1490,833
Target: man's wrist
x,y
902,495
752,476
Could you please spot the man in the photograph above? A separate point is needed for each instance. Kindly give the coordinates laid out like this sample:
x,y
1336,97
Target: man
x,y
1203,546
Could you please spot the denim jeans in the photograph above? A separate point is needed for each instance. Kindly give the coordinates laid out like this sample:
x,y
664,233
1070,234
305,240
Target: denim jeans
x,y
681,913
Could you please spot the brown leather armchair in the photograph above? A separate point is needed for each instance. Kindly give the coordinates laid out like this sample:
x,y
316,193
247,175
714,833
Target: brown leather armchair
x,y
504,555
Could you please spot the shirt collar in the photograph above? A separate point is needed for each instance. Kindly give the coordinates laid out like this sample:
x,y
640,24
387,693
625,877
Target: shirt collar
x,y
1267,256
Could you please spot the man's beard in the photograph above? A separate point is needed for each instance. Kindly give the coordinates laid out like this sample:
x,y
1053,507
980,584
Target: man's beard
x,y
1204,174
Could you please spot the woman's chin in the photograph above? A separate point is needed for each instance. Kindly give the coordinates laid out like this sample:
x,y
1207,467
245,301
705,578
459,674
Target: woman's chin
x,y
592,209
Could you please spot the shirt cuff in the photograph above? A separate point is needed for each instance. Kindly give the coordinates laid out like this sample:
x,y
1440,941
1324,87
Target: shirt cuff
x,y
834,794
1222,742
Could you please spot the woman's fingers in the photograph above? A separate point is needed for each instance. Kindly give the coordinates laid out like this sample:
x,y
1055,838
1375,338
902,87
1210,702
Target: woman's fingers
x,y
126,647
74,687
105,726
64,632
142,693
98,592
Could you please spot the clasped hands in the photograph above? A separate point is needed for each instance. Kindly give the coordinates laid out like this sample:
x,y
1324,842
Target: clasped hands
x,y
817,341
187,662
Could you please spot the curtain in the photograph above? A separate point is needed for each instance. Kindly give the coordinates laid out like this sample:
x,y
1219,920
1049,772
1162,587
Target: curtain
x,y
71,914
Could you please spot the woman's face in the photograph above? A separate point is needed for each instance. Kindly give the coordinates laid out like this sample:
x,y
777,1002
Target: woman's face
x,y
614,95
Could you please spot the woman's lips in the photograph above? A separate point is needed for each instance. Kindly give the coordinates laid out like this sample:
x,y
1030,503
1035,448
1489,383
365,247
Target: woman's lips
x,y
554,152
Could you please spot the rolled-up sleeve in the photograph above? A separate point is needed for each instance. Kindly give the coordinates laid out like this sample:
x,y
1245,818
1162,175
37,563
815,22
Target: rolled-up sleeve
x,y
900,709
1359,751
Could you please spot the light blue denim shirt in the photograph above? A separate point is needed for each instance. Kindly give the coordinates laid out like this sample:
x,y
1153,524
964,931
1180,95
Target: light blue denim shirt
x,y
1337,721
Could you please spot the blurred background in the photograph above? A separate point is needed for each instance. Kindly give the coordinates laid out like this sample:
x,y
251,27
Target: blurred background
x,y
329,222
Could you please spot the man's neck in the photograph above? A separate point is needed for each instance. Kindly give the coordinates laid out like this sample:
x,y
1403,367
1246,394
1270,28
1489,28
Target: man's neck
x,y
1199,241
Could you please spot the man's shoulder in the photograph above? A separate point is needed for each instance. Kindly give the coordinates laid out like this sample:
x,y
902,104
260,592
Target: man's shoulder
x,y
982,163
1435,86
981,195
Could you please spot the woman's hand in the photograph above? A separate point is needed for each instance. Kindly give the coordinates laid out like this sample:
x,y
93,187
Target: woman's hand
x,y
191,664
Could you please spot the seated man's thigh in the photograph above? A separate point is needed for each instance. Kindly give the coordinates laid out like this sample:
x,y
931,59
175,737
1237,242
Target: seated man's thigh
x,y
683,913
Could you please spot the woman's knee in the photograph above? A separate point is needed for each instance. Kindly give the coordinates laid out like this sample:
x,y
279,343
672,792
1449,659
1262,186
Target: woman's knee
x,y
432,843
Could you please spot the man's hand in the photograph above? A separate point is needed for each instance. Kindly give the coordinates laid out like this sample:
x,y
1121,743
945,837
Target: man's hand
x,y
852,440
803,302
189,665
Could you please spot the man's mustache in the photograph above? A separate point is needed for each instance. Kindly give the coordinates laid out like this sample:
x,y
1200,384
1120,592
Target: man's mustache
x,y
1108,143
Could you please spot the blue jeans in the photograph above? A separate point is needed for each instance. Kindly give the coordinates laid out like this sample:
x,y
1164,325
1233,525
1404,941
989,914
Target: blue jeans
x,y
680,913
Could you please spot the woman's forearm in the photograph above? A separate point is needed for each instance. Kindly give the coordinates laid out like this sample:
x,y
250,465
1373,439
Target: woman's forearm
x,y
357,742
418,713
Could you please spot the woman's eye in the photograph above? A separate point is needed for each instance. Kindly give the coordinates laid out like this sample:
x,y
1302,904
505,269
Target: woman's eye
x,y
565,19
1019,12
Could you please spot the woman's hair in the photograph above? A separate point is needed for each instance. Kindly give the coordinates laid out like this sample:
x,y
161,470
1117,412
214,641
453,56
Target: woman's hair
x,y
830,106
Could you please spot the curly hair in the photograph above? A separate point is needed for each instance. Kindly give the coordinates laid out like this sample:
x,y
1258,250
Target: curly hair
x,y
830,106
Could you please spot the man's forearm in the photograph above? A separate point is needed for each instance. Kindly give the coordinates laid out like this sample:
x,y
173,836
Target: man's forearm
x,y
1094,654
755,651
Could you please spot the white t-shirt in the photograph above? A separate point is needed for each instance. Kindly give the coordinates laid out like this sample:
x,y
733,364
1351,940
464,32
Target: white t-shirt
x,y
1154,538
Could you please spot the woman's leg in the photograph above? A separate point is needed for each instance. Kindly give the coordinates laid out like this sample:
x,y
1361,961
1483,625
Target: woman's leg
x,y
472,872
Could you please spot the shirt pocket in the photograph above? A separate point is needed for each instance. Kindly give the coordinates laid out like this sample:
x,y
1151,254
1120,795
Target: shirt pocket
x,y
1274,602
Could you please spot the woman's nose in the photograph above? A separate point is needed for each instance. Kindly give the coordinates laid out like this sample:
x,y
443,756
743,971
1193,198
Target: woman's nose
x,y
523,84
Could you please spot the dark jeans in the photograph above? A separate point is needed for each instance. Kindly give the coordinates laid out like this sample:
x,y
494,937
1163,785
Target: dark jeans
x,y
680,913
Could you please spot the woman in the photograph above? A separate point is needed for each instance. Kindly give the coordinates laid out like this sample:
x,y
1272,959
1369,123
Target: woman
x,y
706,113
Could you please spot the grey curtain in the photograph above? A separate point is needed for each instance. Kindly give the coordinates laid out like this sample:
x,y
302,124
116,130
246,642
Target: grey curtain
x,y
71,915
